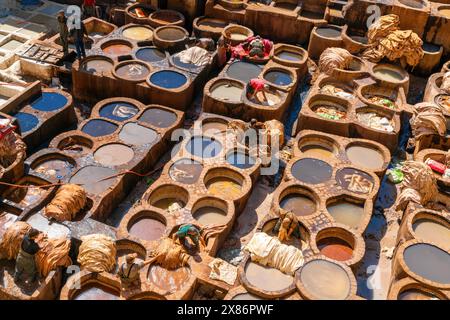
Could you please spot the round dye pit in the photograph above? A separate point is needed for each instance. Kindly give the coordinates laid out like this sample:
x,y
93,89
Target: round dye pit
x,y
99,128
354,180
347,213
95,291
150,55
415,294
214,127
27,121
137,135
244,71
78,144
335,249
118,111
325,280
210,216
168,79
113,154
388,74
312,171
212,25
289,56
169,204
138,33
237,36
49,101
203,147
147,228
246,296
89,178
186,171
272,98
165,17
55,168
267,278
171,33
227,91
328,32
97,65
241,160
132,71
158,117
432,231
365,157
429,262
317,150
26,196
169,280
299,204
224,187
280,78
116,49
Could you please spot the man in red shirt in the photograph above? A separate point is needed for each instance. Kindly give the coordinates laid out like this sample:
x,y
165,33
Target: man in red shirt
x,y
89,8
257,85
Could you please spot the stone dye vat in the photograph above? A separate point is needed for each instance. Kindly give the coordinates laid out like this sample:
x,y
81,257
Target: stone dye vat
x,y
149,54
138,33
323,37
170,37
138,13
359,104
161,18
41,113
113,140
205,27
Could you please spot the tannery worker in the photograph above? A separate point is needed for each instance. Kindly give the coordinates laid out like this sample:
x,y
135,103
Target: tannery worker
x,y
89,8
63,31
257,85
25,262
287,226
256,47
78,38
189,231
129,270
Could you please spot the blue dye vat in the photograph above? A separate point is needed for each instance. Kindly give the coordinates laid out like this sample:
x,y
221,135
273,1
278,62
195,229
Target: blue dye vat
x,y
150,55
278,77
240,160
48,101
203,147
118,111
99,128
26,121
168,79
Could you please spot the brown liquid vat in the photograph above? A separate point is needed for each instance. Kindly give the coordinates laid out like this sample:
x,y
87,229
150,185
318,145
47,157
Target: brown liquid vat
x,y
321,278
354,43
206,27
137,32
133,71
146,225
170,37
285,79
423,261
131,17
339,243
409,289
293,195
235,34
390,75
97,64
27,198
366,92
291,56
169,197
102,286
324,37
166,17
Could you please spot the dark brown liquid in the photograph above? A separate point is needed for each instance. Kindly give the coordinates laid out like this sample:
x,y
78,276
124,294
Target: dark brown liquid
x,y
171,34
158,117
299,204
335,248
147,228
312,171
89,177
429,262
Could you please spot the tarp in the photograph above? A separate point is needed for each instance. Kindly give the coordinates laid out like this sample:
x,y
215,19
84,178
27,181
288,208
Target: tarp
x,y
269,251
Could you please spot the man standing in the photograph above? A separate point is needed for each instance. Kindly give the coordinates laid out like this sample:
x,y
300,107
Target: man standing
x,y
78,38
25,262
63,31
129,271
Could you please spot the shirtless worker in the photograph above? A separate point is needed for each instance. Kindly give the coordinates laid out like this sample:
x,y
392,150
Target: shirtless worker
x,y
189,231
129,271
257,85
25,262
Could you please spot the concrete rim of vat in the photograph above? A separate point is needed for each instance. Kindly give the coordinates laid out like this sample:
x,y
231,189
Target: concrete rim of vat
x,y
203,32
342,232
393,68
137,25
97,57
85,277
130,16
108,42
143,213
256,290
163,43
398,287
352,45
212,201
236,28
400,267
136,50
304,291
167,190
318,139
296,188
354,198
430,215
292,74
155,21
435,154
99,105
328,26
234,174
280,47
370,145
139,62
380,111
212,84
180,89
49,156
332,101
